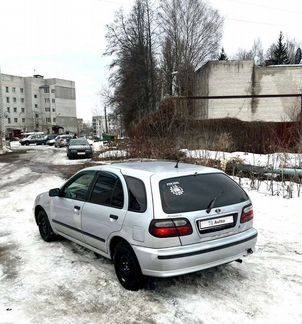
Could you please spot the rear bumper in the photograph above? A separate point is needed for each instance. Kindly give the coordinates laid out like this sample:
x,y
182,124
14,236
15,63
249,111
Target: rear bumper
x,y
77,155
190,258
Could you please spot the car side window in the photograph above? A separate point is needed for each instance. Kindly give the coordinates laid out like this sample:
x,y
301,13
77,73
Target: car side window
x,y
78,188
137,195
108,191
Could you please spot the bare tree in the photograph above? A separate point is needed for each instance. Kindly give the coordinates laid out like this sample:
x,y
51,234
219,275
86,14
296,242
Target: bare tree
x,y
292,46
133,77
255,53
191,34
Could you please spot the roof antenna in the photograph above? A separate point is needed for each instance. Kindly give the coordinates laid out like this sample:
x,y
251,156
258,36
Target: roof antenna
x,y
176,165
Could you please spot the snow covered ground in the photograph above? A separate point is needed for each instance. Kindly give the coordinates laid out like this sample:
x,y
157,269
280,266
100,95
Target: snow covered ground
x,y
275,160
61,282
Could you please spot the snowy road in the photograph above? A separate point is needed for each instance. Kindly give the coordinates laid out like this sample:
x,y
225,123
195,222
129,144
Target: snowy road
x,y
61,282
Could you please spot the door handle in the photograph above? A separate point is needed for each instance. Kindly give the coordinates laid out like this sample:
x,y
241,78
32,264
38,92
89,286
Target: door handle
x,y
77,207
113,217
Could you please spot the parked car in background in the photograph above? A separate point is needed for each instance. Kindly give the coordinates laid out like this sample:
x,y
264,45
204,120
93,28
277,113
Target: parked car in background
x,y
151,218
62,140
32,139
48,137
79,147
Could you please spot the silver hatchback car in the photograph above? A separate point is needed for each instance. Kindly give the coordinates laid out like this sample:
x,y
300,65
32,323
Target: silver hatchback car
x,y
157,219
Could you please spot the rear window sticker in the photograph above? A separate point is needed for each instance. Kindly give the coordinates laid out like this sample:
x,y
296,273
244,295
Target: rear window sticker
x,y
176,189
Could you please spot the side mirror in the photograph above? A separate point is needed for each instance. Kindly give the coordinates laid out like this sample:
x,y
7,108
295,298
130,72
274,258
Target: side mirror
x,y
54,192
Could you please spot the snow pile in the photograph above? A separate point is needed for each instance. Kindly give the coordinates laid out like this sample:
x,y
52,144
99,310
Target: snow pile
x,y
4,150
274,160
114,154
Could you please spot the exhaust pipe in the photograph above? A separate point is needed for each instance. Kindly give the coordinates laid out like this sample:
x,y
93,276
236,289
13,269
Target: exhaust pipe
x,y
249,251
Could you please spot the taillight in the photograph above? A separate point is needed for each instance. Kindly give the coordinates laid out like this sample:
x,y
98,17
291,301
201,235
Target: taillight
x,y
247,214
170,227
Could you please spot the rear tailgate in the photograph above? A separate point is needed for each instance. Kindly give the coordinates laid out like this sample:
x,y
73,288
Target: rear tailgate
x,y
212,202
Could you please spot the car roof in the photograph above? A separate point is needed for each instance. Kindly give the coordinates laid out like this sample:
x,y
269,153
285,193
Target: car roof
x,y
161,168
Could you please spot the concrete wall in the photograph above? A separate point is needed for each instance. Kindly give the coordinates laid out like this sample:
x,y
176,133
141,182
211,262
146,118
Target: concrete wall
x,y
241,78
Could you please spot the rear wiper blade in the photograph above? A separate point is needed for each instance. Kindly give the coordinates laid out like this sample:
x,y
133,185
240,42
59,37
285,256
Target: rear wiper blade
x,y
212,202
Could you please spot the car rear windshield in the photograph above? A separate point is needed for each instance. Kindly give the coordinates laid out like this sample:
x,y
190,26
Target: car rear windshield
x,y
198,192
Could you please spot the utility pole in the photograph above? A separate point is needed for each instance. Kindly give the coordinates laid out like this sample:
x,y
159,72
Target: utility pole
x,y
2,142
106,123
301,125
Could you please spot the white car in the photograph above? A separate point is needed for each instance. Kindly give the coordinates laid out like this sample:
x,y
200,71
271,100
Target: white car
x,y
157,219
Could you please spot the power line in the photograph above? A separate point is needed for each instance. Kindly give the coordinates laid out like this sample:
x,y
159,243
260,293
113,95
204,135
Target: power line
x,y
254,22
296,12
112,2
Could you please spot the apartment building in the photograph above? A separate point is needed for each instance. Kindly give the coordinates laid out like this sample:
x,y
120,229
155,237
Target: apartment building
x,y
99,125
36,104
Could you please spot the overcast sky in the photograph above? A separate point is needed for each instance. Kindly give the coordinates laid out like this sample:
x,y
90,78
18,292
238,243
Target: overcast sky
x,y
66,38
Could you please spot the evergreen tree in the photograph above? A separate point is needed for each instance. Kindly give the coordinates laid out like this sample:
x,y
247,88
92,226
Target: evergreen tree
x,y
280,51
222,56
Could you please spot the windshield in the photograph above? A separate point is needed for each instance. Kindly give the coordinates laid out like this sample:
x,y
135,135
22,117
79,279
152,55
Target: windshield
x,y
196,192
78,142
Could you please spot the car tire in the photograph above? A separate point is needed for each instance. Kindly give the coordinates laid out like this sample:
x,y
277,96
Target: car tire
x,y
26,143
127,268
45,229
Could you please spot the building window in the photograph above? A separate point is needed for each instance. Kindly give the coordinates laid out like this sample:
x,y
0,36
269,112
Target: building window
x,y
36,106
14,89
47,109
21,90
8,109
53,109
15,109
53,100
7,99
54,120
46,90
23,120
47,100
53,91
37,116
15,120
6,89
35,96
48,120
8,120
22,100
14,99
22,110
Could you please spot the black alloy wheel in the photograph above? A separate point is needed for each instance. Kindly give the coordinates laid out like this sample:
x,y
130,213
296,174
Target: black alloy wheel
x,y
127,267
45,229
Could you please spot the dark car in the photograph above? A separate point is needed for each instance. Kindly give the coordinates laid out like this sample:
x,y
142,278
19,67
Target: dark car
x,y
48,137
79,147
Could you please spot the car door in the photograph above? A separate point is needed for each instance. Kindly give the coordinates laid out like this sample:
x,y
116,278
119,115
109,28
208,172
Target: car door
x,y
105,210
67,208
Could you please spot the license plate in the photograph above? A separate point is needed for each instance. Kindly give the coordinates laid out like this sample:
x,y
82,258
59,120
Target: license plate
x,y
215,222
81,153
